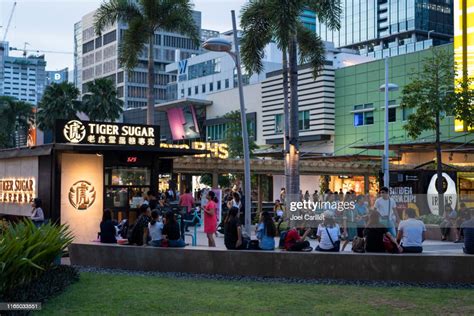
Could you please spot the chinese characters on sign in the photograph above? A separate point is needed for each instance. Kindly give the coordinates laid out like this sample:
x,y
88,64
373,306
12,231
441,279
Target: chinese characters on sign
x,y
19,191
82,195
78,132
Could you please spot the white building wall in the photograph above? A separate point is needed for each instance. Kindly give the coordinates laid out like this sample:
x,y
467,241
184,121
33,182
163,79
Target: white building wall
x,y
307,183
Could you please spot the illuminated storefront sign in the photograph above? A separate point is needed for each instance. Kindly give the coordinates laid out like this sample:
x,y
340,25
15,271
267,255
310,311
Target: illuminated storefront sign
x,y
463,44
19,191
99,133
82,195
217,150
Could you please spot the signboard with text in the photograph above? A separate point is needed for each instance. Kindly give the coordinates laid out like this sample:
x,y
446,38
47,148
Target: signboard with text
x,y
106,133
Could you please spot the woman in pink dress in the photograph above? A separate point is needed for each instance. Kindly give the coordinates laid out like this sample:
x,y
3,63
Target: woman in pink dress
x,y
210,218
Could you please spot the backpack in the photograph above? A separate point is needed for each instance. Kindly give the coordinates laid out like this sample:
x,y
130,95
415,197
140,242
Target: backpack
x,y
358,245
281,244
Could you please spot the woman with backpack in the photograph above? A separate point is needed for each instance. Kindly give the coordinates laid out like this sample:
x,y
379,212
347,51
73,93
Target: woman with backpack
x,y
210,218
328,234
266,232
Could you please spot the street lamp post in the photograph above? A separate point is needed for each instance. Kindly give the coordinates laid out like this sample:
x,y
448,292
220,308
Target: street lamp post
x,y
386,88
223,45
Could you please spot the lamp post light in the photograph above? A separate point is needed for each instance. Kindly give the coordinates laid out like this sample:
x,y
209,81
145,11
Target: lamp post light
x,y
223,45
429,32
386,88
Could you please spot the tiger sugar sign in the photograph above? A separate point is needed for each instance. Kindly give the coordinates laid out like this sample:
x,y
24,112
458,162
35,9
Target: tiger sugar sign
x,y
19,191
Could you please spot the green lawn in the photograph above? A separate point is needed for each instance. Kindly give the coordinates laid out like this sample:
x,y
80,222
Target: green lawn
x,y
110,294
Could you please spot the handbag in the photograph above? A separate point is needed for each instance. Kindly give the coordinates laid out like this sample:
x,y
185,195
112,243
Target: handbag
x,y
389,246
358,245
335,245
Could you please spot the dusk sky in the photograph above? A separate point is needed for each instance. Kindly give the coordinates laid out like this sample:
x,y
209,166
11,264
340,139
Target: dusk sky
x,y
49,24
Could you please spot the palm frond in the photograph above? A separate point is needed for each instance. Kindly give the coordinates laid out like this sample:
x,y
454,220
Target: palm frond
x,y
176,16
284,16
134,40
328,11
256,34
311,49
112,11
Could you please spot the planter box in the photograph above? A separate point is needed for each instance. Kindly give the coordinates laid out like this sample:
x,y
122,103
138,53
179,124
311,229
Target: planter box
x,y
433,232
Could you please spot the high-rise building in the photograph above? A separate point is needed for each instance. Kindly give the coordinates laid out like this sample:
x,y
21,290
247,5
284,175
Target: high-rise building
x,y
97,57
380,28
22,77
207,34
308,18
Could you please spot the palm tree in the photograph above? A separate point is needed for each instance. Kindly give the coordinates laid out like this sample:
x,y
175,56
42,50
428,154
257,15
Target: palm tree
x,y
264,21
60,101
144,18
15,118
101,102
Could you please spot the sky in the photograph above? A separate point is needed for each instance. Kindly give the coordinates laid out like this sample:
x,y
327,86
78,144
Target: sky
x,y
49,24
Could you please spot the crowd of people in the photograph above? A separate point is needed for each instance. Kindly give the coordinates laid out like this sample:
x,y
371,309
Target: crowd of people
x,y
376,229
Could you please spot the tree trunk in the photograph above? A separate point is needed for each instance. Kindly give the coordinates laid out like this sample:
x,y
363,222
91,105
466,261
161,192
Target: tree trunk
x,y
151,84
293,163
439,169
286,114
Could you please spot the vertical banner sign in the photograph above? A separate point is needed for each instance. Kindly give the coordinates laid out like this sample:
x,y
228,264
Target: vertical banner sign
x,y
463,44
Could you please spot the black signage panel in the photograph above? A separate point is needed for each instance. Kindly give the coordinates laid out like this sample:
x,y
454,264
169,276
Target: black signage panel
x,y
106,133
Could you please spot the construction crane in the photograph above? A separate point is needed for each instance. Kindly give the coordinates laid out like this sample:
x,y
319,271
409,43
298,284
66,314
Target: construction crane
x,y
38,51
9,21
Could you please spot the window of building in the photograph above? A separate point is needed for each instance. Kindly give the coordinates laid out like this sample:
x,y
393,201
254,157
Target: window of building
x,y
363,114
189,91
87,47
203,88
182,93
392,114
211,86
196,90
406,113
226,83
279,123
303,120
216,132
110,37
218,85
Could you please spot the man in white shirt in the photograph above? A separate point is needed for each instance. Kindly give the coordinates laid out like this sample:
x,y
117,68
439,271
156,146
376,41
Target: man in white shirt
x,y
411,233
386,206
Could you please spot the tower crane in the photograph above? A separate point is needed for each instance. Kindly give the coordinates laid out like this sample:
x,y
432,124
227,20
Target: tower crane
x,y
9,21
39,51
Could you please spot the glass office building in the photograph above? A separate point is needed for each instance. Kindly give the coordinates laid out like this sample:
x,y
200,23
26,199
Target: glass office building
x,y
380,28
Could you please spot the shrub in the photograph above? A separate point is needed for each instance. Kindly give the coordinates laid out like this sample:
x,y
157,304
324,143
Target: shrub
x,y
26,252
431,219
51,282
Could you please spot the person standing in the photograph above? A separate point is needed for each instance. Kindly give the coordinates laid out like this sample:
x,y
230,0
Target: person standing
x,y
107,229
306,196
37,214
152,200
186,200
386,206
315,196
361,214
411,233
282,195
210,218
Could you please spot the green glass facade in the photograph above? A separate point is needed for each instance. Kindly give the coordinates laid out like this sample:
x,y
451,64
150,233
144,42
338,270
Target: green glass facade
x,y
359,112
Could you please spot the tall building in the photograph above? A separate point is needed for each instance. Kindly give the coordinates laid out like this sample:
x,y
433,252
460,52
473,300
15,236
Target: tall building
x,y
200,75
22,77
207,34
97,57
308,18
380,28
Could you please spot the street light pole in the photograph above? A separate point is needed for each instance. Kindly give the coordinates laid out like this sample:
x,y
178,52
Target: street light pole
x,y
245,136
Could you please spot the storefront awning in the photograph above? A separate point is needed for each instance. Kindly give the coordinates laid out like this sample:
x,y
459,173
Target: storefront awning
x,y
42,150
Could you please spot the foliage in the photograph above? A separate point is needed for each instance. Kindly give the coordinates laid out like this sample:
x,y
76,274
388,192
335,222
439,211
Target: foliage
x,y
464,103
144,18
324,184
120,294
3,226
52,282
233,135
101,102
15,117
26,252
60,101
224,181
430,92
264,21
431,219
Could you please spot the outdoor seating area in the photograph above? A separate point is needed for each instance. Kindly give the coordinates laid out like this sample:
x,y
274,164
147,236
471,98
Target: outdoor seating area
x,y
429,267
